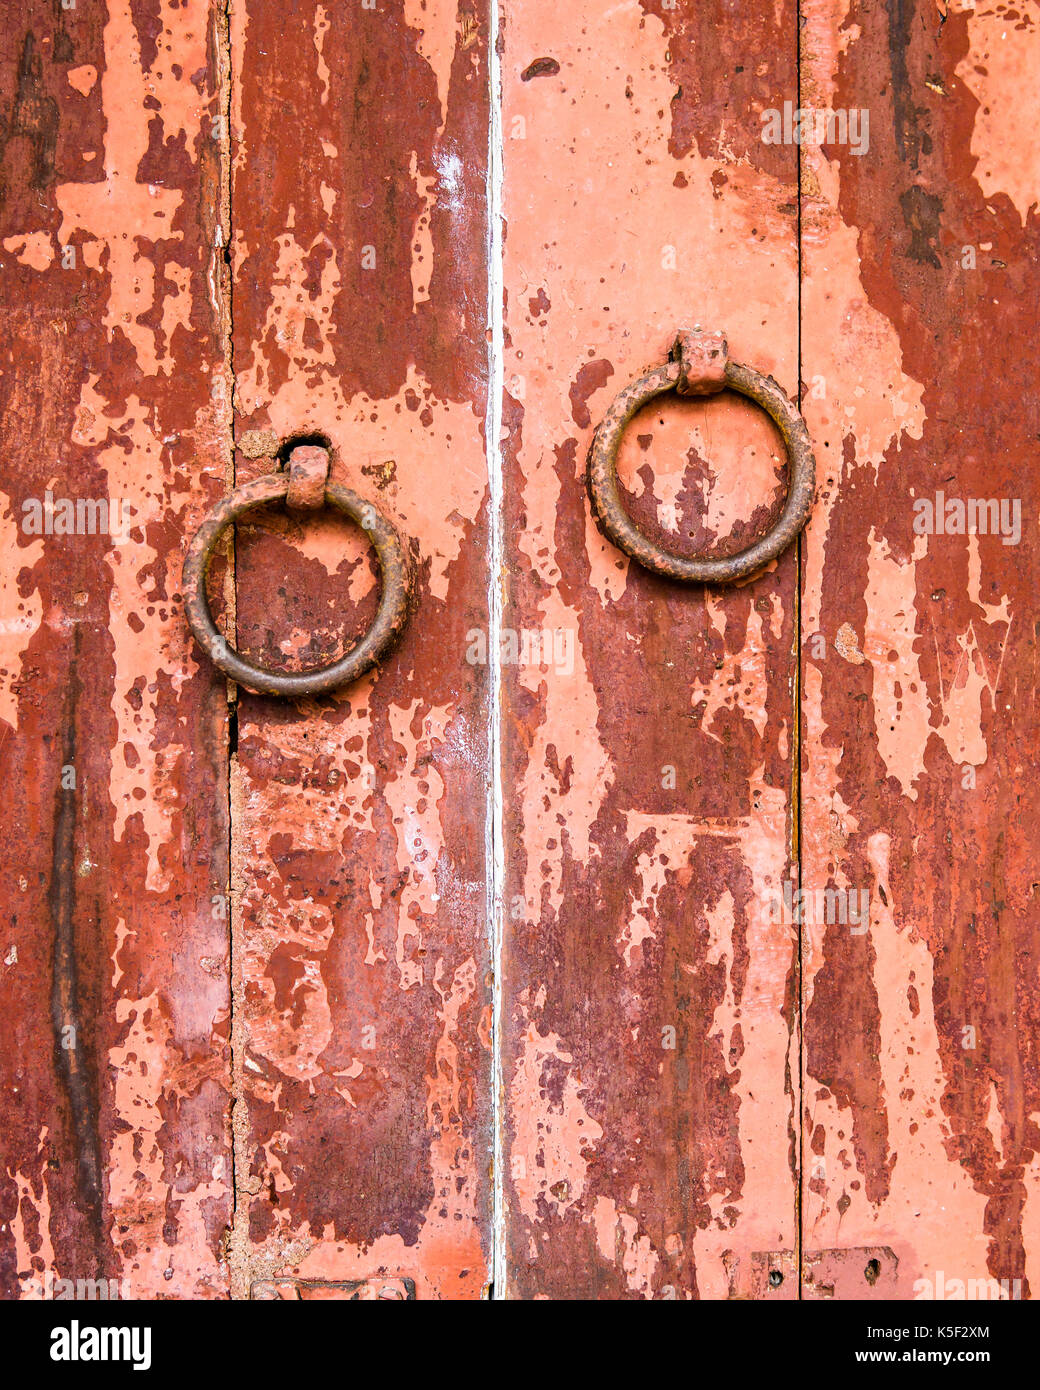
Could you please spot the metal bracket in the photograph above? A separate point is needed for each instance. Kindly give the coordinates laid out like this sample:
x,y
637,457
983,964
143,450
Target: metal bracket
x,y
858,1272
846,1273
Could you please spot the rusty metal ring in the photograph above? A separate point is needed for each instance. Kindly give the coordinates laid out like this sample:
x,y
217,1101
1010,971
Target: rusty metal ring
x,y
603,480
390,618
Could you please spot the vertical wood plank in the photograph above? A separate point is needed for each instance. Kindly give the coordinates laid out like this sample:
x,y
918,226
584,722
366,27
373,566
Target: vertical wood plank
x,y
921,1088
650,1053
362,968
113,951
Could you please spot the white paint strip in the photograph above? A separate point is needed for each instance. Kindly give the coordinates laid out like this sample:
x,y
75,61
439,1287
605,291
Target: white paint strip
x,y
493,438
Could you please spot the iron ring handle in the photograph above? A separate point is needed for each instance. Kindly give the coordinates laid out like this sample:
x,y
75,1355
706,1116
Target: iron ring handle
x,y
391,615
701,366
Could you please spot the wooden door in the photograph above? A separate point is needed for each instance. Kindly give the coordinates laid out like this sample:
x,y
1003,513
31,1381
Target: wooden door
x,y
919,1058
614,938
649,1034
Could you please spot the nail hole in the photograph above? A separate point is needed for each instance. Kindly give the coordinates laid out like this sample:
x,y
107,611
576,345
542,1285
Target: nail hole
x,y
872,1271
776,1278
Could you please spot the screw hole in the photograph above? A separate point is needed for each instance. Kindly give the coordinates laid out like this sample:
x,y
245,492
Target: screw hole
x,y
872,1271
776,1278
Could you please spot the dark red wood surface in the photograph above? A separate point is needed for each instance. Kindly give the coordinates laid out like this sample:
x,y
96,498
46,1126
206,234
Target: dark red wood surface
x,y
919,649
363,988
113,878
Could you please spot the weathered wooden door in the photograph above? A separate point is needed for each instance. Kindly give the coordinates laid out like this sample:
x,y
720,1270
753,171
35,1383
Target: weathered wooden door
x,y
615,937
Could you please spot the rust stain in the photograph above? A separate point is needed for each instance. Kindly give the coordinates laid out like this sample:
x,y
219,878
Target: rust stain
x,y
541,67
69,1019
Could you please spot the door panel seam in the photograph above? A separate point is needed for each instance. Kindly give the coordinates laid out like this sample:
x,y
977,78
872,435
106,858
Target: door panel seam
x,y
796,751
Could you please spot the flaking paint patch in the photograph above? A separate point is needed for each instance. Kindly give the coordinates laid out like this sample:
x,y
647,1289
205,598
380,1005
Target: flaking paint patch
x,y
149,760
447,1258
422,243
1004,58
960,727
30,1223
22,612
903,712
561,805
291,1022
890,638
621,1242
743,687
413,801
554,1138
321,28
916,1216
1031,1214
737,450
849,343
438,31
149,1074
769,1046
123,216
292,375
82,79
34,249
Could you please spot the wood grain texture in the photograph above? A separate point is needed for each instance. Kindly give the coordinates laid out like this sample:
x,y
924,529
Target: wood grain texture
x,y
363,992
920,656
649,1049
114,951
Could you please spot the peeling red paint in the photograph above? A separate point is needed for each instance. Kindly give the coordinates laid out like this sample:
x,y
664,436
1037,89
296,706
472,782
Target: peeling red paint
x,y
197,195
920,1033
362,965
649,1049
116,1158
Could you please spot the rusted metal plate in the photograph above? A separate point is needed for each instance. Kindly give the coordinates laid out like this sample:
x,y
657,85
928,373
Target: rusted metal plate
x,y
649,999
114,870
385,1290
853,1272
362,987
919,644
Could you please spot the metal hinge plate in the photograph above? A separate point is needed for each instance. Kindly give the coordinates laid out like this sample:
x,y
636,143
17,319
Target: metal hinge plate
x,y
849,1272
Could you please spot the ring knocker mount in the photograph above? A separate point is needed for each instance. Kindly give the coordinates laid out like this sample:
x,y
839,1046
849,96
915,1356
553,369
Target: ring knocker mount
x,y
304,486
700,366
